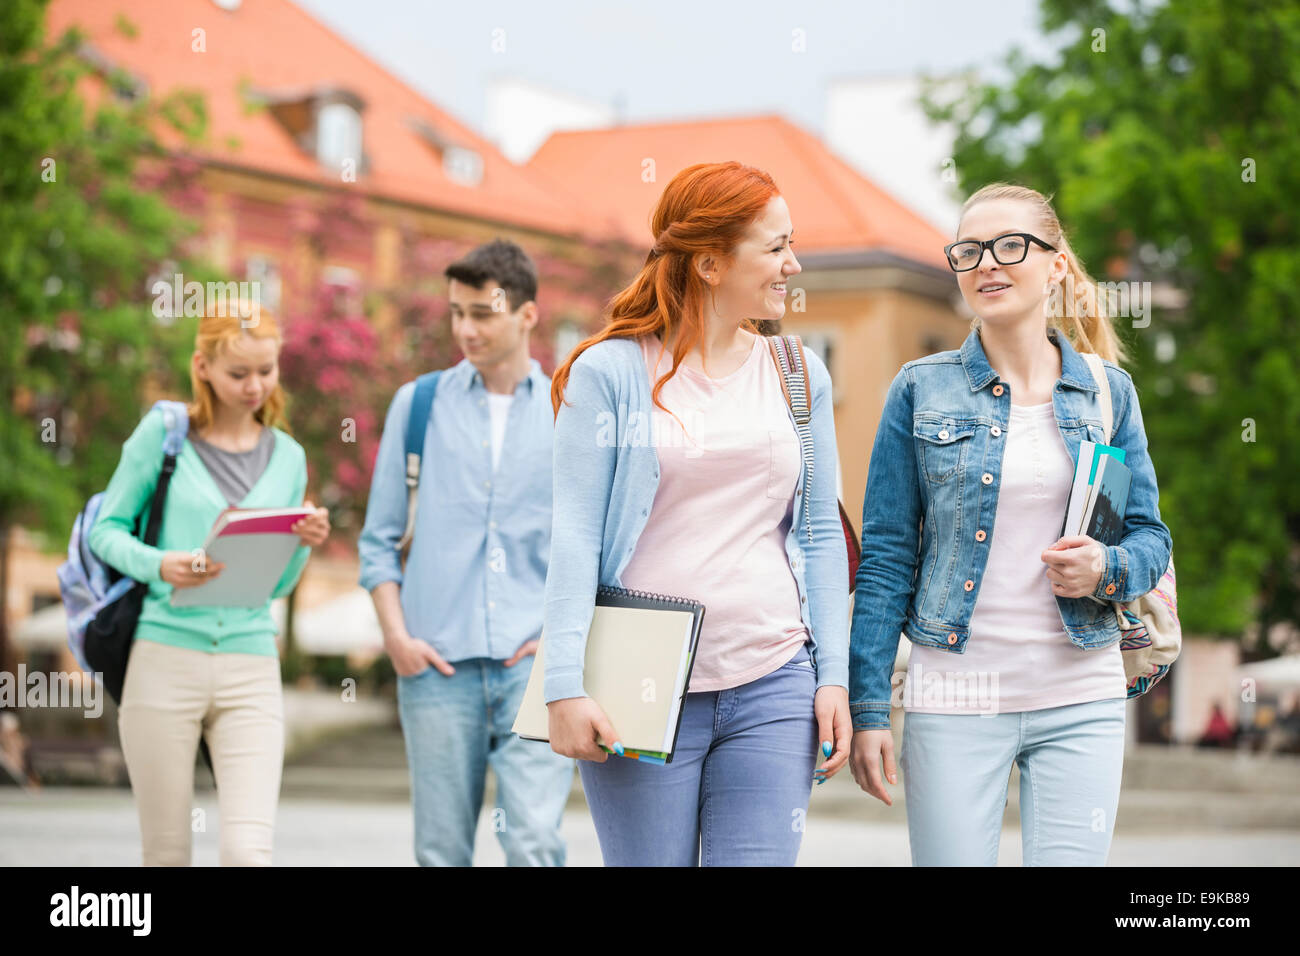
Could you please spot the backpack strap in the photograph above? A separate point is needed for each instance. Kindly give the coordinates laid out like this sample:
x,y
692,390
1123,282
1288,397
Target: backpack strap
x,y
787,352
177,419
1099,375
426,386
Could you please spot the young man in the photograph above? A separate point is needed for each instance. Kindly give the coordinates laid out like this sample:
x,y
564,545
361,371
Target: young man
x,y
462,621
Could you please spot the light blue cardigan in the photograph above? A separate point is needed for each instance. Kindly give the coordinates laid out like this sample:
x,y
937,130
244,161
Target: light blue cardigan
x,y
606,472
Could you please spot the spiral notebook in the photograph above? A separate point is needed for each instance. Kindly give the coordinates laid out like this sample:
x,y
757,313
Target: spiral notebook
x,y
640,649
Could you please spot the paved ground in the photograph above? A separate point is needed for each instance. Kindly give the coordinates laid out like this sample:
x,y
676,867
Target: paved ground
x,y
83,827
345,799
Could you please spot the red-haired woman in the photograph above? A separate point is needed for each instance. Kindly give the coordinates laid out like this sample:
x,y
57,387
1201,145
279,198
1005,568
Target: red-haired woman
x,y
207,671
678,470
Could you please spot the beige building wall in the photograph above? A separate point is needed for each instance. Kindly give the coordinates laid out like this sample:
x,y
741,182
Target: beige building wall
x,y
873,333
1204,674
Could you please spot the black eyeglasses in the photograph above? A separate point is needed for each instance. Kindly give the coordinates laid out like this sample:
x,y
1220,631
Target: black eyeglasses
x,y
1007,250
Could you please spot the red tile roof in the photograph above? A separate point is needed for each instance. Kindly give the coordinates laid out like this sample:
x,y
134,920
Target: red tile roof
x,y
834,208
274,46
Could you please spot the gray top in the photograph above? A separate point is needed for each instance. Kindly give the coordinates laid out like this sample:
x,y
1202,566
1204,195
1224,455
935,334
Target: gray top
x,y
235,472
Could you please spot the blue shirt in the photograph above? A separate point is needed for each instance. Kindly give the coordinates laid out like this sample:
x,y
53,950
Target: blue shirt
x,y
606,475
476,572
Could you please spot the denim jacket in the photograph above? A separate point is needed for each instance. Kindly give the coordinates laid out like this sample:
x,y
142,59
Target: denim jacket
x,y
932,494
606,472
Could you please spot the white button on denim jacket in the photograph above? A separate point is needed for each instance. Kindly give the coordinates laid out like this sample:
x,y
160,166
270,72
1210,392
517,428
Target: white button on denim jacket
x,y
605,476
932,494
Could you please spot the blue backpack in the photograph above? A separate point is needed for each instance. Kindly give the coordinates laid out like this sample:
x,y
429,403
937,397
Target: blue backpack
x,y
102,604
417,421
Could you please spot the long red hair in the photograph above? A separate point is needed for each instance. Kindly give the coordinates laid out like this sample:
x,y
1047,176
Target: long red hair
x,y
704,210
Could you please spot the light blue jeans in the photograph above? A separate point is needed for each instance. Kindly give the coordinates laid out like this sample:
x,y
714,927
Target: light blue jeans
x,y
736,791
956,768
455,728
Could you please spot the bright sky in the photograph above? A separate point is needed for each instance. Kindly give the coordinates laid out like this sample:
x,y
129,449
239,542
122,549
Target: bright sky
x,y
672,59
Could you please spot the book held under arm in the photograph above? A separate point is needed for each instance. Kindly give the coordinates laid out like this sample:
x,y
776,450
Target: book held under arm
x,y
1098,496
1103,518
640,649
255,545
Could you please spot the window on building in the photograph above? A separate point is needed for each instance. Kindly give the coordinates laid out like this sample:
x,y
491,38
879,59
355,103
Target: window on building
x,y
822,344
43,599
338,136
462,165
567,336
263,270
346,284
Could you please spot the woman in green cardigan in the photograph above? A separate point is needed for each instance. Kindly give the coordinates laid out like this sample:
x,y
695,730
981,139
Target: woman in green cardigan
x,y
207,671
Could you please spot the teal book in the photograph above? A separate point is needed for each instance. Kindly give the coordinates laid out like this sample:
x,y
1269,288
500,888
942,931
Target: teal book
x,y
1085,474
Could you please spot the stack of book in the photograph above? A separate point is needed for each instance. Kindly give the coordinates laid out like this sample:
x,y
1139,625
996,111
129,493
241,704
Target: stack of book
x,y
1099,495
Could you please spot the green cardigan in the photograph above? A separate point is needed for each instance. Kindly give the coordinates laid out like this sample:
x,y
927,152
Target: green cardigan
x,y
193,504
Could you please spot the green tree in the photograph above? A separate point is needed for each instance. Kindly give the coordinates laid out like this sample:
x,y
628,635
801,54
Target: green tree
x,y
1167,133
88,215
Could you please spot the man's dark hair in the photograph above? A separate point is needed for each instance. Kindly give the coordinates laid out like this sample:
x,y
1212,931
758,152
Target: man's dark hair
x,y
504,264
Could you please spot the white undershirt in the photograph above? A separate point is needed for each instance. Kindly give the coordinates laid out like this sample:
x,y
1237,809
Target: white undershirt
x,y
499,406
1018,656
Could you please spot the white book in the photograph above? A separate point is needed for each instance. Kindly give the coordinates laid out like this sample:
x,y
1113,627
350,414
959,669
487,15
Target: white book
x,y
640,648
255,545
1079,491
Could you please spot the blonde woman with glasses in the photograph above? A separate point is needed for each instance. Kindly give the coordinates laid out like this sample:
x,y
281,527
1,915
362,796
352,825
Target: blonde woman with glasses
x,y
1012,660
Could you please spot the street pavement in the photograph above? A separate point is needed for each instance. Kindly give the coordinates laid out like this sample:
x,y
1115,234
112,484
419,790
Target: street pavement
x,y
98,827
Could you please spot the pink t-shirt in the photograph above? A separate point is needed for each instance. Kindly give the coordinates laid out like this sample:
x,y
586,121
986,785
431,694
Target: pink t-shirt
x,y
717,530
1018,656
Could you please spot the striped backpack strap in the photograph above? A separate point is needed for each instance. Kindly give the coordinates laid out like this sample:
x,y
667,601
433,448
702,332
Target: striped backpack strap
x,y
787,351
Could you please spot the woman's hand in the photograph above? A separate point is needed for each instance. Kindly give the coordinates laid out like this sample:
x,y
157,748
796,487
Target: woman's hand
x,y
315,529
1075,565
870,747
834,727
573,725
182,569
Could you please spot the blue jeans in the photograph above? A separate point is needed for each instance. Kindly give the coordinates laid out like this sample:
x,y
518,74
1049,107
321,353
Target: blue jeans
x,y
457,726
956,768
736,791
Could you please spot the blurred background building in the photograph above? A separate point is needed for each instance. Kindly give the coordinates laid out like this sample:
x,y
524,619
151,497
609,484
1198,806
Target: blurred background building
x,y
324,169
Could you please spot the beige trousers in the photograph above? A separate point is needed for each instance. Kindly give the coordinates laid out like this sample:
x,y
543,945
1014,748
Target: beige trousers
x,y
173,694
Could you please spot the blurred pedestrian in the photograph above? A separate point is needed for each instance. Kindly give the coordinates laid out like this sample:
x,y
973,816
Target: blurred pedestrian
x,y
210,672
1218,732
461,620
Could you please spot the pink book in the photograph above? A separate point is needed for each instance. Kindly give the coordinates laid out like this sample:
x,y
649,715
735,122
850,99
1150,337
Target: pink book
x,y
255,545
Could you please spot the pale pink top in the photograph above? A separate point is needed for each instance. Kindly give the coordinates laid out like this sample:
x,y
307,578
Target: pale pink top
x,y
716,532
1018,656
